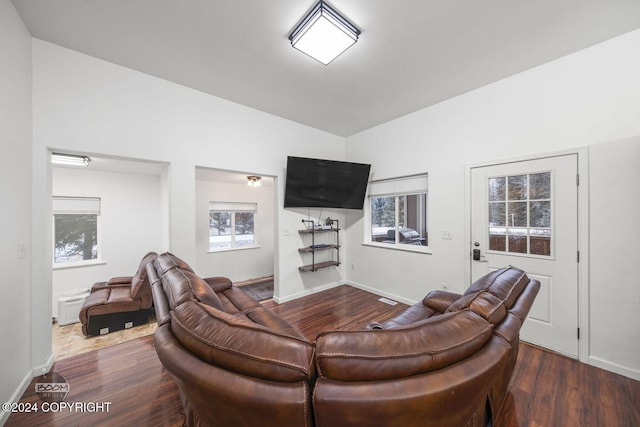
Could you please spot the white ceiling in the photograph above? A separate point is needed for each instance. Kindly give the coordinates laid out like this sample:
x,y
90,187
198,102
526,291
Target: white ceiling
x,y
411,53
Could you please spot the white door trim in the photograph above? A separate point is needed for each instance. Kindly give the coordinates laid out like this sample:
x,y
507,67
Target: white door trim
x,y
583,233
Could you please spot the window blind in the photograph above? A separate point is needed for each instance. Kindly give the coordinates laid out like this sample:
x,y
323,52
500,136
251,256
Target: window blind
x,y
76,205
414,184
233,206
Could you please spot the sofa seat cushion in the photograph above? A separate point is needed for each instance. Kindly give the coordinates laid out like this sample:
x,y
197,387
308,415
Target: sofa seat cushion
x,y
235,300
415,313
108,300
265,317
439,301
218,284
400,352
239,345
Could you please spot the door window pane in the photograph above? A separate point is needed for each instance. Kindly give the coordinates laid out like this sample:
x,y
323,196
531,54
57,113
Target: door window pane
x,y
497,239
517,187
522,223
540,242
497,214
540,186
541,214
517,215
497,189
518,240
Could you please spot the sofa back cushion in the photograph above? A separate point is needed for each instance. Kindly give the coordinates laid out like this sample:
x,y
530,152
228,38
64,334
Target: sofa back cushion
x,y
160,303
166,261
140,279
483,303
506,284
181,286
239,345
400,352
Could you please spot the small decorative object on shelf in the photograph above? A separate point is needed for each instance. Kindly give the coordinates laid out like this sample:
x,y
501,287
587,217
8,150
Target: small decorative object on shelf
x,y
330,226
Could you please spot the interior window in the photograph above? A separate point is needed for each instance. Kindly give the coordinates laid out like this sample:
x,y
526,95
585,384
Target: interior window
x,y
398,211
231,225
75,226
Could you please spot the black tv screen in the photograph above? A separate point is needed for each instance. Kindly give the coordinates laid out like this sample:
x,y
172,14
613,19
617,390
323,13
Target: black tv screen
x,y
317,183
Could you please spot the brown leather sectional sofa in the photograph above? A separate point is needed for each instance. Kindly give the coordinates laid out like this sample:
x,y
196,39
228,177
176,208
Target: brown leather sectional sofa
x,y
119,303
446,361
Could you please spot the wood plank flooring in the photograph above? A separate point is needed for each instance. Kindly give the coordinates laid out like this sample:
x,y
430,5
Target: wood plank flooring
x,y
69,341
546,389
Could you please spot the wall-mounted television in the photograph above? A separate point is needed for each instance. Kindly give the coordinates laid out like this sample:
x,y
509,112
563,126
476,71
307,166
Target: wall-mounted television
x,y
318,183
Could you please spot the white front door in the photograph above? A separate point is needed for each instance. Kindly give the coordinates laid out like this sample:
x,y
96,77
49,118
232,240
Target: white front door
x,y
525,214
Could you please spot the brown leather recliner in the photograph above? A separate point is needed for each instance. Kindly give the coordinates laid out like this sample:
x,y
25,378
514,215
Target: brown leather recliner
x,y
445,361
119,303
234,361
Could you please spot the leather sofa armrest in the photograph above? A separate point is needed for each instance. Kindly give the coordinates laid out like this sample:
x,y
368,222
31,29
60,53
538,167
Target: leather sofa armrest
x,y
124,280
439,301
98,285
218,284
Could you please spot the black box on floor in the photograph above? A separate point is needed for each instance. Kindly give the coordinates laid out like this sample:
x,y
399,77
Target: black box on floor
x,y
104,323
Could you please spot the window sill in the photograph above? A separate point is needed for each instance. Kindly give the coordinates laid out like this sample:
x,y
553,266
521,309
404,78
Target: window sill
x,y
78,264
405,248
241,248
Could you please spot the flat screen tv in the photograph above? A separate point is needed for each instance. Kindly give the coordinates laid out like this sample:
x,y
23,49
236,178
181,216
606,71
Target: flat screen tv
x,y
317,183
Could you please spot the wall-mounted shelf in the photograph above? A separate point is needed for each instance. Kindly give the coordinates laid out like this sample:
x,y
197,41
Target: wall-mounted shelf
x,y
315,247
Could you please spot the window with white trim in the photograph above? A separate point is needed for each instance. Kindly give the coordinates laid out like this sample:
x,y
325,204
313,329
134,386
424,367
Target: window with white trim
x,y
398,211
75,230
232,225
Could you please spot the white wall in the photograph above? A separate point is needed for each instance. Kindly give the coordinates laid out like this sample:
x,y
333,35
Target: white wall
x,y
15,209
584,99
83,104
130,223
614,237
242,264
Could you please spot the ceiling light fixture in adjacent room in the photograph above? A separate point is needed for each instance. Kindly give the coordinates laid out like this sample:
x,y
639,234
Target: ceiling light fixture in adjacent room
x,y
324,34
254,181
69,159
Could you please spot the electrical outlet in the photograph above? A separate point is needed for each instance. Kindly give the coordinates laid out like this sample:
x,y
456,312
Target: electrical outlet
x,y
446,234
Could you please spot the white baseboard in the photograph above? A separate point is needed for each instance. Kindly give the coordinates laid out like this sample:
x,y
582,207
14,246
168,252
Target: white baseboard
x,y
306,292
17,394
382,294
615,368
43,369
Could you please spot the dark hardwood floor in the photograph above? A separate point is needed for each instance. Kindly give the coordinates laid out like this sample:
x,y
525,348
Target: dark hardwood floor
x,y
546,389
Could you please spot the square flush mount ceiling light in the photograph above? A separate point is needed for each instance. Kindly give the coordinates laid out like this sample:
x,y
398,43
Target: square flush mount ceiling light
x,y
323,34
